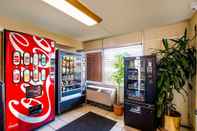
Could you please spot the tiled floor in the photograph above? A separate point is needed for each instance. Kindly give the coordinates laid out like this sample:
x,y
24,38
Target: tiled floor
x,y
69,116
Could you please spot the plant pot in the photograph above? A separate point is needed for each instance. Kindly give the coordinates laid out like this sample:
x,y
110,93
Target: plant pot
x,y
118,109
172,123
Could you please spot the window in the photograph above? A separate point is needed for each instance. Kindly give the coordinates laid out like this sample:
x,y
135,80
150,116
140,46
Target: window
x,y
109,59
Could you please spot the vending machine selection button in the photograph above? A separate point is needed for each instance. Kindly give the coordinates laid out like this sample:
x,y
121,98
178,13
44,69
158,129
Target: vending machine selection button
x,y
26,75
36,75
27,58
16,76
43,60
16,58
35,59
43,74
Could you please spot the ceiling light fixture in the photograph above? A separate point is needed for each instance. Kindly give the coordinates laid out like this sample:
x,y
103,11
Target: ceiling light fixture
x,y
77,10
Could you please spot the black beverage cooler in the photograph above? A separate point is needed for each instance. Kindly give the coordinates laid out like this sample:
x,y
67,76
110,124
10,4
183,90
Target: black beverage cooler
x,y
139,92
70,80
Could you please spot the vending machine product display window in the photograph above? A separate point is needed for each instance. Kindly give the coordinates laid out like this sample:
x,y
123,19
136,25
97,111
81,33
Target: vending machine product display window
x,y
70,80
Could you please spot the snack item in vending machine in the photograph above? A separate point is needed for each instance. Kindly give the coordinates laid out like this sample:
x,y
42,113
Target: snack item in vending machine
x,y
63,70
26,75
67,61
16,76
16,58
27,58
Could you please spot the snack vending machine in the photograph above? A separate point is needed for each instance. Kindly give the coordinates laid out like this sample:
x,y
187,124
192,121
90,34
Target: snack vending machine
x,y
29,81
70,80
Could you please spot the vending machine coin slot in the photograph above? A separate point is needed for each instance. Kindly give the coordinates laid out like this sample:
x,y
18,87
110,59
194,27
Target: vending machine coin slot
x,y
35,109
16,58
33,91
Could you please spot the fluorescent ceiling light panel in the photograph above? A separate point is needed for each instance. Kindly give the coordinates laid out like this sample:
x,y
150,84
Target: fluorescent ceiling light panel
x,y
75,9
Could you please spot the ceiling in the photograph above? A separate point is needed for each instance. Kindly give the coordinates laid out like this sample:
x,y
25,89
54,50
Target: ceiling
x,y
119,16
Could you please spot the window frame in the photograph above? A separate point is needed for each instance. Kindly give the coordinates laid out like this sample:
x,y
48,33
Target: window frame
x,y
102,56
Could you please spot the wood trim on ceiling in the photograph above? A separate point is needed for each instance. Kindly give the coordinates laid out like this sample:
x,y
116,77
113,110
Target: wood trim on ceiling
x,y
80,6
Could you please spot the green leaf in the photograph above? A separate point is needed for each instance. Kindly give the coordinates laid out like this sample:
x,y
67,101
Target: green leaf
x,y
165,43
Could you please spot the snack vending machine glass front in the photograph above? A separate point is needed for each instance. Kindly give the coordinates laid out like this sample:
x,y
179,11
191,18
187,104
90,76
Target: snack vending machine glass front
x,y
69,80
29,81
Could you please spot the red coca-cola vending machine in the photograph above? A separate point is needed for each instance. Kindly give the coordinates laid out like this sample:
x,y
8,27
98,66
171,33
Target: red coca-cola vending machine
x,y
29,81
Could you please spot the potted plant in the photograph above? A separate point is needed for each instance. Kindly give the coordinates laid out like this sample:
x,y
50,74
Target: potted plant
x,y
176,68
118,78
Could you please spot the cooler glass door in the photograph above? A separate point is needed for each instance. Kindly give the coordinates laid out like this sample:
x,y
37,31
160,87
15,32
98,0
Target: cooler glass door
x,y
135,79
